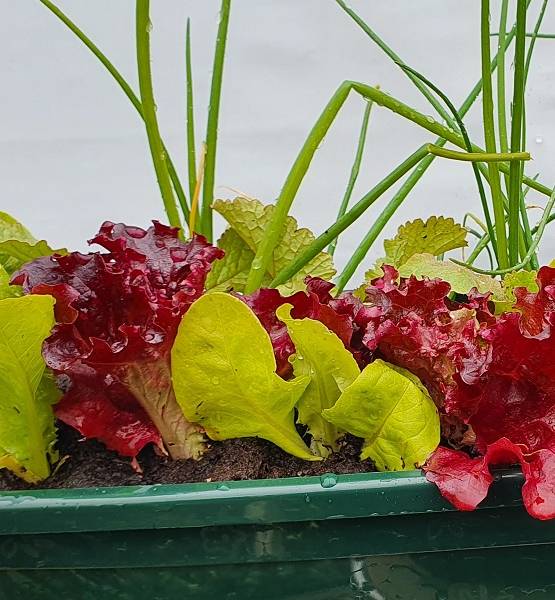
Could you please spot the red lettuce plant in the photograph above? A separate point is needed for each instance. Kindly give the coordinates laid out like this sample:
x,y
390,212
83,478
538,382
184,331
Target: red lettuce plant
x,y
117,315
492,378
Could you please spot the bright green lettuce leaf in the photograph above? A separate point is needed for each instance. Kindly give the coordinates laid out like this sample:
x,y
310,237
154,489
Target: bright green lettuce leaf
x,y
461,279
224,376
320,355
27,432
248,218
390,408
18,246
435,236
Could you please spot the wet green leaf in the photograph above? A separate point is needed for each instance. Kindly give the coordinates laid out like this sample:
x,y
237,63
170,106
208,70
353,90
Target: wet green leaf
x,y
320,355
224,375
27,432
390,408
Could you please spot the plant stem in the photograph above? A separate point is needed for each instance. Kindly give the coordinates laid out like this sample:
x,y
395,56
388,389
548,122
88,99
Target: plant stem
x,y
212,124
265,250
143,26
501,101
354,169
534,263
515,169
191,157
489,135
477,156
349,217
544,36
196,192
397,59
126,88
546,218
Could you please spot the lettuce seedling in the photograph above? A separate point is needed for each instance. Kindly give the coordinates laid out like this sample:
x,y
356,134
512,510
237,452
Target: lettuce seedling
x,y
390,408
224,375
321,356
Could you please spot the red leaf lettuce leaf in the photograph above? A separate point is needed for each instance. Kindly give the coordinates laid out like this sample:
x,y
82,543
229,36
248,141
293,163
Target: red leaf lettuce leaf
x,y
117,316
492,377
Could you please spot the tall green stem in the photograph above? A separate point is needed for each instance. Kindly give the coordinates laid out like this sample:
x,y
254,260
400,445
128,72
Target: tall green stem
x,y
516,168
143,27
489,135
501,102
126,88
191,153
354,169
212,125
349,217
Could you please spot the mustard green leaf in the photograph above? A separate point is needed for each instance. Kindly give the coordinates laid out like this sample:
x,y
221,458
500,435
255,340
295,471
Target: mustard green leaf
x,y
231,271
248,218
435,236
461,279
321,356
224,376
390,408
27,432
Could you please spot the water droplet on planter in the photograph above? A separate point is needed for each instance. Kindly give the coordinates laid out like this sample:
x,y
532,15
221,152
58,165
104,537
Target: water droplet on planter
x,y
328,480
307,498
223,488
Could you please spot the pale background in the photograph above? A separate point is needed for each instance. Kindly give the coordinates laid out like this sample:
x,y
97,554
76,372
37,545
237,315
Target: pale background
x,y
73,151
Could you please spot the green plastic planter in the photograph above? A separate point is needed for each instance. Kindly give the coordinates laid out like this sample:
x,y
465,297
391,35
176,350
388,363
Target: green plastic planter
x,y
369,536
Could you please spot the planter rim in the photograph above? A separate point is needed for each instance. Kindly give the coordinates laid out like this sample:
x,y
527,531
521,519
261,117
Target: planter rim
x,y
263,501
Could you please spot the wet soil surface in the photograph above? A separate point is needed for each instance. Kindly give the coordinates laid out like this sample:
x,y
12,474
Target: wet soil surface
x,y
86,463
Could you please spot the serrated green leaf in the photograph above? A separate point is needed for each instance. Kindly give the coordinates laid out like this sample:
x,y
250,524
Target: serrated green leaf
x,y
248,218
224,376
27,432
230,273
461,279
321,356
390,408
435,236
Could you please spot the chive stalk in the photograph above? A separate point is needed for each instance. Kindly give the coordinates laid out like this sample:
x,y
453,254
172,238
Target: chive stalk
x,y
354,169
143,27
489,135
515,169
212,124
191,153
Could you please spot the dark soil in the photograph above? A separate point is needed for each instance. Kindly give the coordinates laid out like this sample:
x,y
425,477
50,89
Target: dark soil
x,y
86,463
